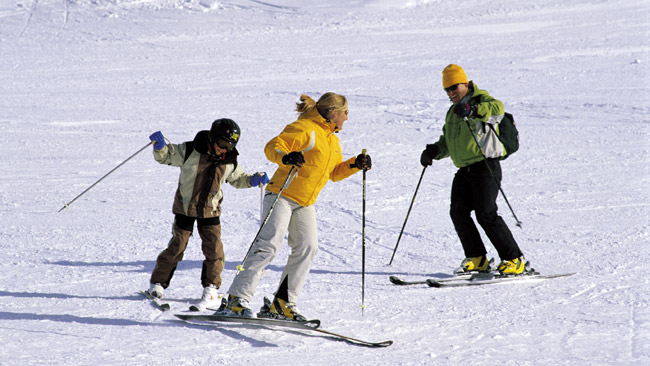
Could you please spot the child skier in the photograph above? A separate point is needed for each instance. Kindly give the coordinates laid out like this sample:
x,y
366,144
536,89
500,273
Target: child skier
x,y
206,163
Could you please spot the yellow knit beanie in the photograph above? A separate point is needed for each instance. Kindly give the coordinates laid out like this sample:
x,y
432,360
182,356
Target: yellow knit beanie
x,y
453,74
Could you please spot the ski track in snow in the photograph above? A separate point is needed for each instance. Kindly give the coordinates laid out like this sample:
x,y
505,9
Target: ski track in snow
x,y
83,83
30,14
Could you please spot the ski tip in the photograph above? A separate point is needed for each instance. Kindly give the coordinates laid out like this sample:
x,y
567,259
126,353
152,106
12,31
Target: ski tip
x,y
433,283
165,307
383,344
313,323
395,280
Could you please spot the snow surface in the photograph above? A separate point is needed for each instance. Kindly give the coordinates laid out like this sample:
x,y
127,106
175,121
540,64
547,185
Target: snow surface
x,y
84,82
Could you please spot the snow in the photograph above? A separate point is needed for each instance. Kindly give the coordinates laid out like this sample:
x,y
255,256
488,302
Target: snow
x,y
84,82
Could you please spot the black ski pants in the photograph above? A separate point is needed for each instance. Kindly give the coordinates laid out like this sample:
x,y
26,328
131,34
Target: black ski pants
x,y
474,189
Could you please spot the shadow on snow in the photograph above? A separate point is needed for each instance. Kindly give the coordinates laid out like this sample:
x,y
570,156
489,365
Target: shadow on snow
x,y
147,266
66,318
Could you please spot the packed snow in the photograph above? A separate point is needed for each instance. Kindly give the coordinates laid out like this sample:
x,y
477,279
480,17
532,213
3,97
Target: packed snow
x,y
83,83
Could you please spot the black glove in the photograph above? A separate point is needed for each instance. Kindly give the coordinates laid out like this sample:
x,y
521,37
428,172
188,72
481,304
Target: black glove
x,y
465,110
363,162
294,158
426,159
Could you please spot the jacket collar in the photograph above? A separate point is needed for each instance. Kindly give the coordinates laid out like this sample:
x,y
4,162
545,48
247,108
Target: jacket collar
x,y
316,117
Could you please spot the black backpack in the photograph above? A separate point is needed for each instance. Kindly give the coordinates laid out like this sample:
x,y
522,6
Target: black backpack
x,y
508,134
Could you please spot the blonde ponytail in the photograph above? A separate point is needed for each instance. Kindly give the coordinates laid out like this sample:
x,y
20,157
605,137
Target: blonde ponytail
x,y
306,104
327,103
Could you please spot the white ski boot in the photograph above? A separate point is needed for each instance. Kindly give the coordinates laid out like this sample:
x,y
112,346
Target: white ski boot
x,y
156,290
209,299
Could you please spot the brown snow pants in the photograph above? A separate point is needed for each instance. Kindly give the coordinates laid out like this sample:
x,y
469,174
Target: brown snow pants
x,y
212,247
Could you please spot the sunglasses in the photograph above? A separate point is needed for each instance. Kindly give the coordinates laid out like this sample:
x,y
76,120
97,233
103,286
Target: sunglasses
x,y
451,88
224,144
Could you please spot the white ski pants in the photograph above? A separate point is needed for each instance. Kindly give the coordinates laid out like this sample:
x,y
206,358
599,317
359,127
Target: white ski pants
x,y
300,221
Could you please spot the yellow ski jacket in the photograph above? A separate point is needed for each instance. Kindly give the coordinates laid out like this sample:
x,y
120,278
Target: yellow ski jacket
x,y
315,137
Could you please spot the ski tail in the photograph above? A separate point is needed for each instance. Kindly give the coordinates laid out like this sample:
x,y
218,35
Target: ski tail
x,y
158,303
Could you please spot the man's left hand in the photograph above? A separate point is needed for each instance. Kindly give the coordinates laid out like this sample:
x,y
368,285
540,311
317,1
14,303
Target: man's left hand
x,y
465,110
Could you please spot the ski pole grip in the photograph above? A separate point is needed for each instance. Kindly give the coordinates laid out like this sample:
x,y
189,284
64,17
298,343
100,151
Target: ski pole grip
x,y
364,152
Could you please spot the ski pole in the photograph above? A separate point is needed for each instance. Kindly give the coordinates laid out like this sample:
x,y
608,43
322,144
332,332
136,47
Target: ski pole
x,y
363,238
261,202
407,215
67,205
287,180
492,173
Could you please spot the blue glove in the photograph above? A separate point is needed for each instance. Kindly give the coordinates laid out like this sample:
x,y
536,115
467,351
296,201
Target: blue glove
x,y
259,178
158,139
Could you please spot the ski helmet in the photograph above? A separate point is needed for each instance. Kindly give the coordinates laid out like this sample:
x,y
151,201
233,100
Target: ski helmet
x,y
225,129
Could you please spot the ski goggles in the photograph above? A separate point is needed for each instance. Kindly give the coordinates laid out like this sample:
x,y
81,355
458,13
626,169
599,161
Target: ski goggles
x,y
451,88
225,144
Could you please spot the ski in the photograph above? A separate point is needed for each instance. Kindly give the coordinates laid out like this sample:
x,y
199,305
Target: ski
x,y
459,274
310,325
480,279
400,282
354,340
163,306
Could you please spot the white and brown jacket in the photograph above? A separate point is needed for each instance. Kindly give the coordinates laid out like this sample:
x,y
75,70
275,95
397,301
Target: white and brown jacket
x,y
202,175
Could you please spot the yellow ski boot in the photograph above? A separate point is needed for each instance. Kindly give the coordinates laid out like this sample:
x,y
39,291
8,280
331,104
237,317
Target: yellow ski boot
x,y
512,267
474,264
